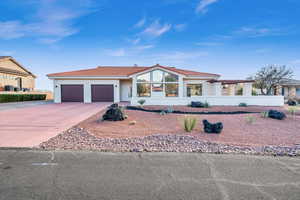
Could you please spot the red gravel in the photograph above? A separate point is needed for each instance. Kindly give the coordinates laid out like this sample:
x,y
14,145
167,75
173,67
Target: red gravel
x,y
236,129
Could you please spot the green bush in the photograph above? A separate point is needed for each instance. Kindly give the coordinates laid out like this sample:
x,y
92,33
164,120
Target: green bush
x,y
243,105
4,98
189,123
141,101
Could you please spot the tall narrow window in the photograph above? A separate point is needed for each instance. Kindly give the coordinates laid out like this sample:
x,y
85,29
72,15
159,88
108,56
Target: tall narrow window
x,y
171,90
143,90
157,76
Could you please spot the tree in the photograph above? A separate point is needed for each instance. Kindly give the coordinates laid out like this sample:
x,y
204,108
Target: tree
x,y
267,78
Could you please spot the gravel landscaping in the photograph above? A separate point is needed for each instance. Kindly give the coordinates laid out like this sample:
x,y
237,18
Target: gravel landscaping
x,y
79,139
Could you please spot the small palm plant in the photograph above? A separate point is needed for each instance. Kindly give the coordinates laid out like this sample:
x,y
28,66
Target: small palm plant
x,y
189,123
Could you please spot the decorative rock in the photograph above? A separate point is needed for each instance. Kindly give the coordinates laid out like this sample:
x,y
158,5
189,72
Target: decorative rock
x,y
197,104
114,113
274,114
212,128
291,102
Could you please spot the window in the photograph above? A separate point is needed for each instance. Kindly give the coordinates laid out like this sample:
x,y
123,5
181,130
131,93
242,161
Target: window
x,y
144,77
143,90
157,81
157,76
194,90
171,89
298,92
157,87
170,77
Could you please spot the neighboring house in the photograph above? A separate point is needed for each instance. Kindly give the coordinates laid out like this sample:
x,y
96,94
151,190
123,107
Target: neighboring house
x,y
290,88
15,77
158,85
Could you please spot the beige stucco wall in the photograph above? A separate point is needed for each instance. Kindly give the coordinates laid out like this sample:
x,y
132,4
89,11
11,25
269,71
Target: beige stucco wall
x,y
10,79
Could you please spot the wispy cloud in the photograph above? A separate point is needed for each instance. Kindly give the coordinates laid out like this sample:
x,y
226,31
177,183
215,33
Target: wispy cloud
x,y
116,52
144,47
7,53
255,32
180,27
296,62
140,23
203,4
52,21
262,51
156,29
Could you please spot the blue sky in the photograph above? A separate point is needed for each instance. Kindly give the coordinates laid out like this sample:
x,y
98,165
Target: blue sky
x,y
231,37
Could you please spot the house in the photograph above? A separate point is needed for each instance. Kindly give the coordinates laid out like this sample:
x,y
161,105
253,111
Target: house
x,y
15,77
158,85
290,88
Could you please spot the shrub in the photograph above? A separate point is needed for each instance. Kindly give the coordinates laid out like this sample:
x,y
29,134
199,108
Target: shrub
x,y
162,113
189,123
206,104
264,114
170,109
243,105
4,98
292,110
250,119
142,102
292,102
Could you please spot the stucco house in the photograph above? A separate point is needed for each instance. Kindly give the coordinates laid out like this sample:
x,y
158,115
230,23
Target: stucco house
x,y
290,88
15,77
158,85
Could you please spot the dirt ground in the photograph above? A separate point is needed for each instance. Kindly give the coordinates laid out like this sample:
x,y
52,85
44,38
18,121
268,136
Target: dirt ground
x,y
237,130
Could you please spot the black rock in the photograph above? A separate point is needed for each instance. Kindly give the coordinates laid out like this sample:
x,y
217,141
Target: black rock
x,y
274,114
291,102
212,128
114,113
197,104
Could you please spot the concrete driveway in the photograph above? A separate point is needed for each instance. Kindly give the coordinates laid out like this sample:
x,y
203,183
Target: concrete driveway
x,y
29,126
153,176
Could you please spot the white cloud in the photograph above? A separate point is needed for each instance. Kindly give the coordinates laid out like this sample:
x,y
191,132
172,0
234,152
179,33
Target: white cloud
x,y
52,21
156,29
203,4
140,23
208,43
180,27
116,53
144,47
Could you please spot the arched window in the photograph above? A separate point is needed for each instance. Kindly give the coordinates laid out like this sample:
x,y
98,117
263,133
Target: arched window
x,y
157,81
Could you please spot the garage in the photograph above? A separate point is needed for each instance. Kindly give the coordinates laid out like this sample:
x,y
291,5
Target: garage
x,y
71,93
102,93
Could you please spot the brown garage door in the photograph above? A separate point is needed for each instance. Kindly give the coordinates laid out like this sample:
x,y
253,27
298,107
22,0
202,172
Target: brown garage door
x,y
72,93
102,93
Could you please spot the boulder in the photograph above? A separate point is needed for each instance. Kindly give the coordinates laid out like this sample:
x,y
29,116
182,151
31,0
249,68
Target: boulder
x,y
114,113
274,114
291,102
212,128
197,104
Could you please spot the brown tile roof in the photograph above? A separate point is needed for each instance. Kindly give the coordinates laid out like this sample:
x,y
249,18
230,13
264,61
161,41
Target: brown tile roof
x,y
124,71
14,61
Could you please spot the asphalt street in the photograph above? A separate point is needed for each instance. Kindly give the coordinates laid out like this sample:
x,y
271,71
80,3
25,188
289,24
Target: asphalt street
x,y
29,174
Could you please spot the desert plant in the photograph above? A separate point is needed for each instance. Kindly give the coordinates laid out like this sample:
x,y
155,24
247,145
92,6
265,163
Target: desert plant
x,y
292,110
243,104
250,119
162,113
142,102
189,123
264,114
206,104
170,109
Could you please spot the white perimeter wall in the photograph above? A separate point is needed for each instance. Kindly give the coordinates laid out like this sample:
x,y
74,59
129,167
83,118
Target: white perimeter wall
x,y
216,100
87,88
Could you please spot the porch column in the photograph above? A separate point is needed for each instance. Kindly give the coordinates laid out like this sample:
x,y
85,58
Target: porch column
x,y
87,96
180,87
247,89
56,91
134,88
217,89
285,91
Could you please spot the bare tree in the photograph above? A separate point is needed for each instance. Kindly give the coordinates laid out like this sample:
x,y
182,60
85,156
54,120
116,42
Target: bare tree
x,y
267,78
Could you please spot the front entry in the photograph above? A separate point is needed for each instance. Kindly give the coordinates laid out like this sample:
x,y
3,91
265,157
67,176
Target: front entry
x,y
102,93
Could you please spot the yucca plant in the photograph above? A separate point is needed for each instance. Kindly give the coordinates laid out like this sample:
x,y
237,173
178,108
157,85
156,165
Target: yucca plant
x,y
264,114
189,123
